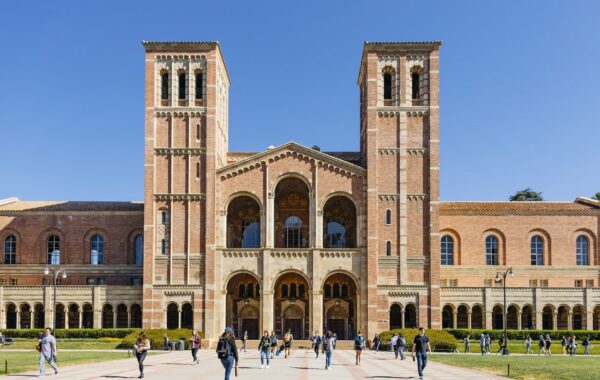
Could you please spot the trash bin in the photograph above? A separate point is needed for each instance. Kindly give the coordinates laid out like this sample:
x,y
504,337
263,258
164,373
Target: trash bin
x,y
173,345
181,345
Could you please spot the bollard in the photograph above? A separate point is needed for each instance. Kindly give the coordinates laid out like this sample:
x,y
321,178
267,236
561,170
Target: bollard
x,y
508,369
6,367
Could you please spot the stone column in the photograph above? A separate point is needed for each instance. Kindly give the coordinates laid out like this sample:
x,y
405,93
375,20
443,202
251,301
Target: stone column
x,y
66,313
554,320
588,317
312,216
129,318
317,310
519,318
164,326
487,308
178,318
270,225
319,229
402,313
469,322
114,318
538,308
80,319
31,317
266,300
454,319
570,320
18,317
97,306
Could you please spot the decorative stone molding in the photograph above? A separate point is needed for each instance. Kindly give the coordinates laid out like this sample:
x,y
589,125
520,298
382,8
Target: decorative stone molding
x,y
394,151
179,151
403,294
414,113
416,151
289,254
180,293
339,254
179,197
389,197
389,261
241,253
388,58
416,197
416,57
179,58
179,112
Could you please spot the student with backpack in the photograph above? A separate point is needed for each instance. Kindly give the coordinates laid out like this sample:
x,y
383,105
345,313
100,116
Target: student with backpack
x,y
327,349
542,345
482,344
548,344
586,345
394,343
244,340
359,346
317,343
288,338
273,344
195,343
401,342
376,343
265,349
227,352
528,345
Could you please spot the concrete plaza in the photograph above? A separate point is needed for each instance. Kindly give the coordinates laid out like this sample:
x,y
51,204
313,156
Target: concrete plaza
x,y
302,365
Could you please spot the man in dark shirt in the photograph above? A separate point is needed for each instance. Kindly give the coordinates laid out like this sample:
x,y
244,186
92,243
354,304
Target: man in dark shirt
x,y
420,348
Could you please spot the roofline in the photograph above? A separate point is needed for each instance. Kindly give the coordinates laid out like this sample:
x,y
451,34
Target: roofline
x,y
185,47
408,46
8,201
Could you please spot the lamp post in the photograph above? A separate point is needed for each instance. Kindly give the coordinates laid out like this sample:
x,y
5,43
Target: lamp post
x,y
55,271
501,276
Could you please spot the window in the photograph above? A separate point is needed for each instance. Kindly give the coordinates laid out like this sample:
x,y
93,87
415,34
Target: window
x,y
10,250
327,291
13,282
199,87
533,283
453,283
543,283
136,281
336,290
138,249
284,291
415,77
301,291
388,248
163,247
250,291
250,232
182,86
444,282
163,216
198,170
59,281
242,291
447,250
387,86
293,288
293,232
45,281
336,234
198,131
537,250
164,85
53,250
388,216
97,250
491,250
488,283
582,250
344,291
589,283
579,283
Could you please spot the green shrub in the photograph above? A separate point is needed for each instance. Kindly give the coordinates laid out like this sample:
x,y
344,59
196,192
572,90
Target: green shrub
x,y
522,334
156,337
439,340
69,333
110,340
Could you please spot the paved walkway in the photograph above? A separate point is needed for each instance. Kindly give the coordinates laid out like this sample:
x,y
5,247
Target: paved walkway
x,y
301,365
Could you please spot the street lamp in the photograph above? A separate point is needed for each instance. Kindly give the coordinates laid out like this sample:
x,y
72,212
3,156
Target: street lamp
x,y
501,276
55,271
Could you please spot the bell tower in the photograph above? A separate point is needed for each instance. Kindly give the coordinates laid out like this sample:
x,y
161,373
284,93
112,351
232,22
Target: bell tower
x,y
186,132
399,137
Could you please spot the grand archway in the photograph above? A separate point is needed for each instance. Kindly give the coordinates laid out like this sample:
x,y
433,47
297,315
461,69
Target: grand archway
x,y
339,223
292,306
340,305
243,223
243,304
292,214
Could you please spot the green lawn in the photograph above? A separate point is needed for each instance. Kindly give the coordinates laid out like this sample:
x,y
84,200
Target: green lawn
x,y
528,367
518,347
70,344
19,361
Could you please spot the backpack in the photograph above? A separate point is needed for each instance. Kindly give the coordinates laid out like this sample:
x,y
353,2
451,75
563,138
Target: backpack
x,y
403,342
358,342
223,348
326,344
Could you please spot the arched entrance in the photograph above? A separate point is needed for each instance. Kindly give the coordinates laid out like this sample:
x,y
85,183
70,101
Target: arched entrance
x,y
73,316
579,322
11,316
242,305
243,223
462,317
512,317
340,305
395,317
172,316
107,317
25,316
122,316
292,214
39,316
136,316
292,306
547,318
596,321
527,318
59,316
410,316
447,317
476,317
187,316
87,319
497,318
339,223
562,322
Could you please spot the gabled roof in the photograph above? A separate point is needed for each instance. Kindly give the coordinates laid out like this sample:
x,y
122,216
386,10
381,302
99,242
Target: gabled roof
x,y
581,205
16,205
298,149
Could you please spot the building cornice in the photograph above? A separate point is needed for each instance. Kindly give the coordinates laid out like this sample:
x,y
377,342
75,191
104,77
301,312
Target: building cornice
x,y
179,197
179,151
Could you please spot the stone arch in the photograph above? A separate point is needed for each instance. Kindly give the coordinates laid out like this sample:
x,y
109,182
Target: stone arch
x,y
73,315
547,243
548,317
288,175
172,312
39,316
592,244
242,289
87,317
462,316
456,243
25,315
239,194
579,321
86,254
527,318
187,316
59,316
501,244
395,316
512,317
43,243
238,272
448,317
292,204
562,317
340,222
291,288
244,221
11,315
497,317
411,318
136,315
122,316
108,316
596,318
477,321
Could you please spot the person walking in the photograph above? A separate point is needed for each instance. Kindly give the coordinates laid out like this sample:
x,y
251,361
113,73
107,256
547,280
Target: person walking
x,y
501,345
542,345
47,349
394,342
359,346
327,349
376,343
167,343
564,344
528,345
586,345
401,346
468,344
141,347
488,343
482,344
573,345
264,346
244,340
420,348
334,340
273,344
227,351
548,344
196,344
288,338
317,344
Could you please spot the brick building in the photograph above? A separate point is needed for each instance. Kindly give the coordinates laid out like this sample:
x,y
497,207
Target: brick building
x,y
294,237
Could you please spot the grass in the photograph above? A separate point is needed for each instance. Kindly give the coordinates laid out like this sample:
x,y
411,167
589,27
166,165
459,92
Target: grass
x,y
518,347
19,361
68,344
527,367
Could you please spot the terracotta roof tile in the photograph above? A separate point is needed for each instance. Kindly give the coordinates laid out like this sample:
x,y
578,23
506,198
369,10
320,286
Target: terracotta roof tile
x,y
60,206
500,208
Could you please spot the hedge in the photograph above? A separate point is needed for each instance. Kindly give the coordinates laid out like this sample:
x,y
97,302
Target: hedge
x,y
157,337
522,334
439,340
69,333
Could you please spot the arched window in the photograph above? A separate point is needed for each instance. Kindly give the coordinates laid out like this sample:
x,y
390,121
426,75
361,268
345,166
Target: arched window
x,y
182,86
198,129
293,288
387,86
344,291
10,250
198,170
164,85
138,249
447,250
163,216
336,234
257,291
388,248
97,250
293,232
537,250
491,250
388,216
250,291
163,246
242,291
583,257
416,80
284,291
336,290
301,291
250,232
327,291
53,250
199,86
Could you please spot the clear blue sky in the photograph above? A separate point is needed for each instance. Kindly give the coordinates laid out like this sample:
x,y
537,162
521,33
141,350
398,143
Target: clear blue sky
x,y
520,87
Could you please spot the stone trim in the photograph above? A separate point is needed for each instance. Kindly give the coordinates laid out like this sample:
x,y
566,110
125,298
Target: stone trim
x,y
183,112
241,253
179,151
416,197
394,151
179,197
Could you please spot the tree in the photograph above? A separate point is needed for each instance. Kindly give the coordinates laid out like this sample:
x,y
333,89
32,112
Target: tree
x,y
596,196
526,195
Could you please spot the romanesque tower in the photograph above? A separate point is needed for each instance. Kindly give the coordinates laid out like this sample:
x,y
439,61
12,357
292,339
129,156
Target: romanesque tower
x,y
186,132
399,145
